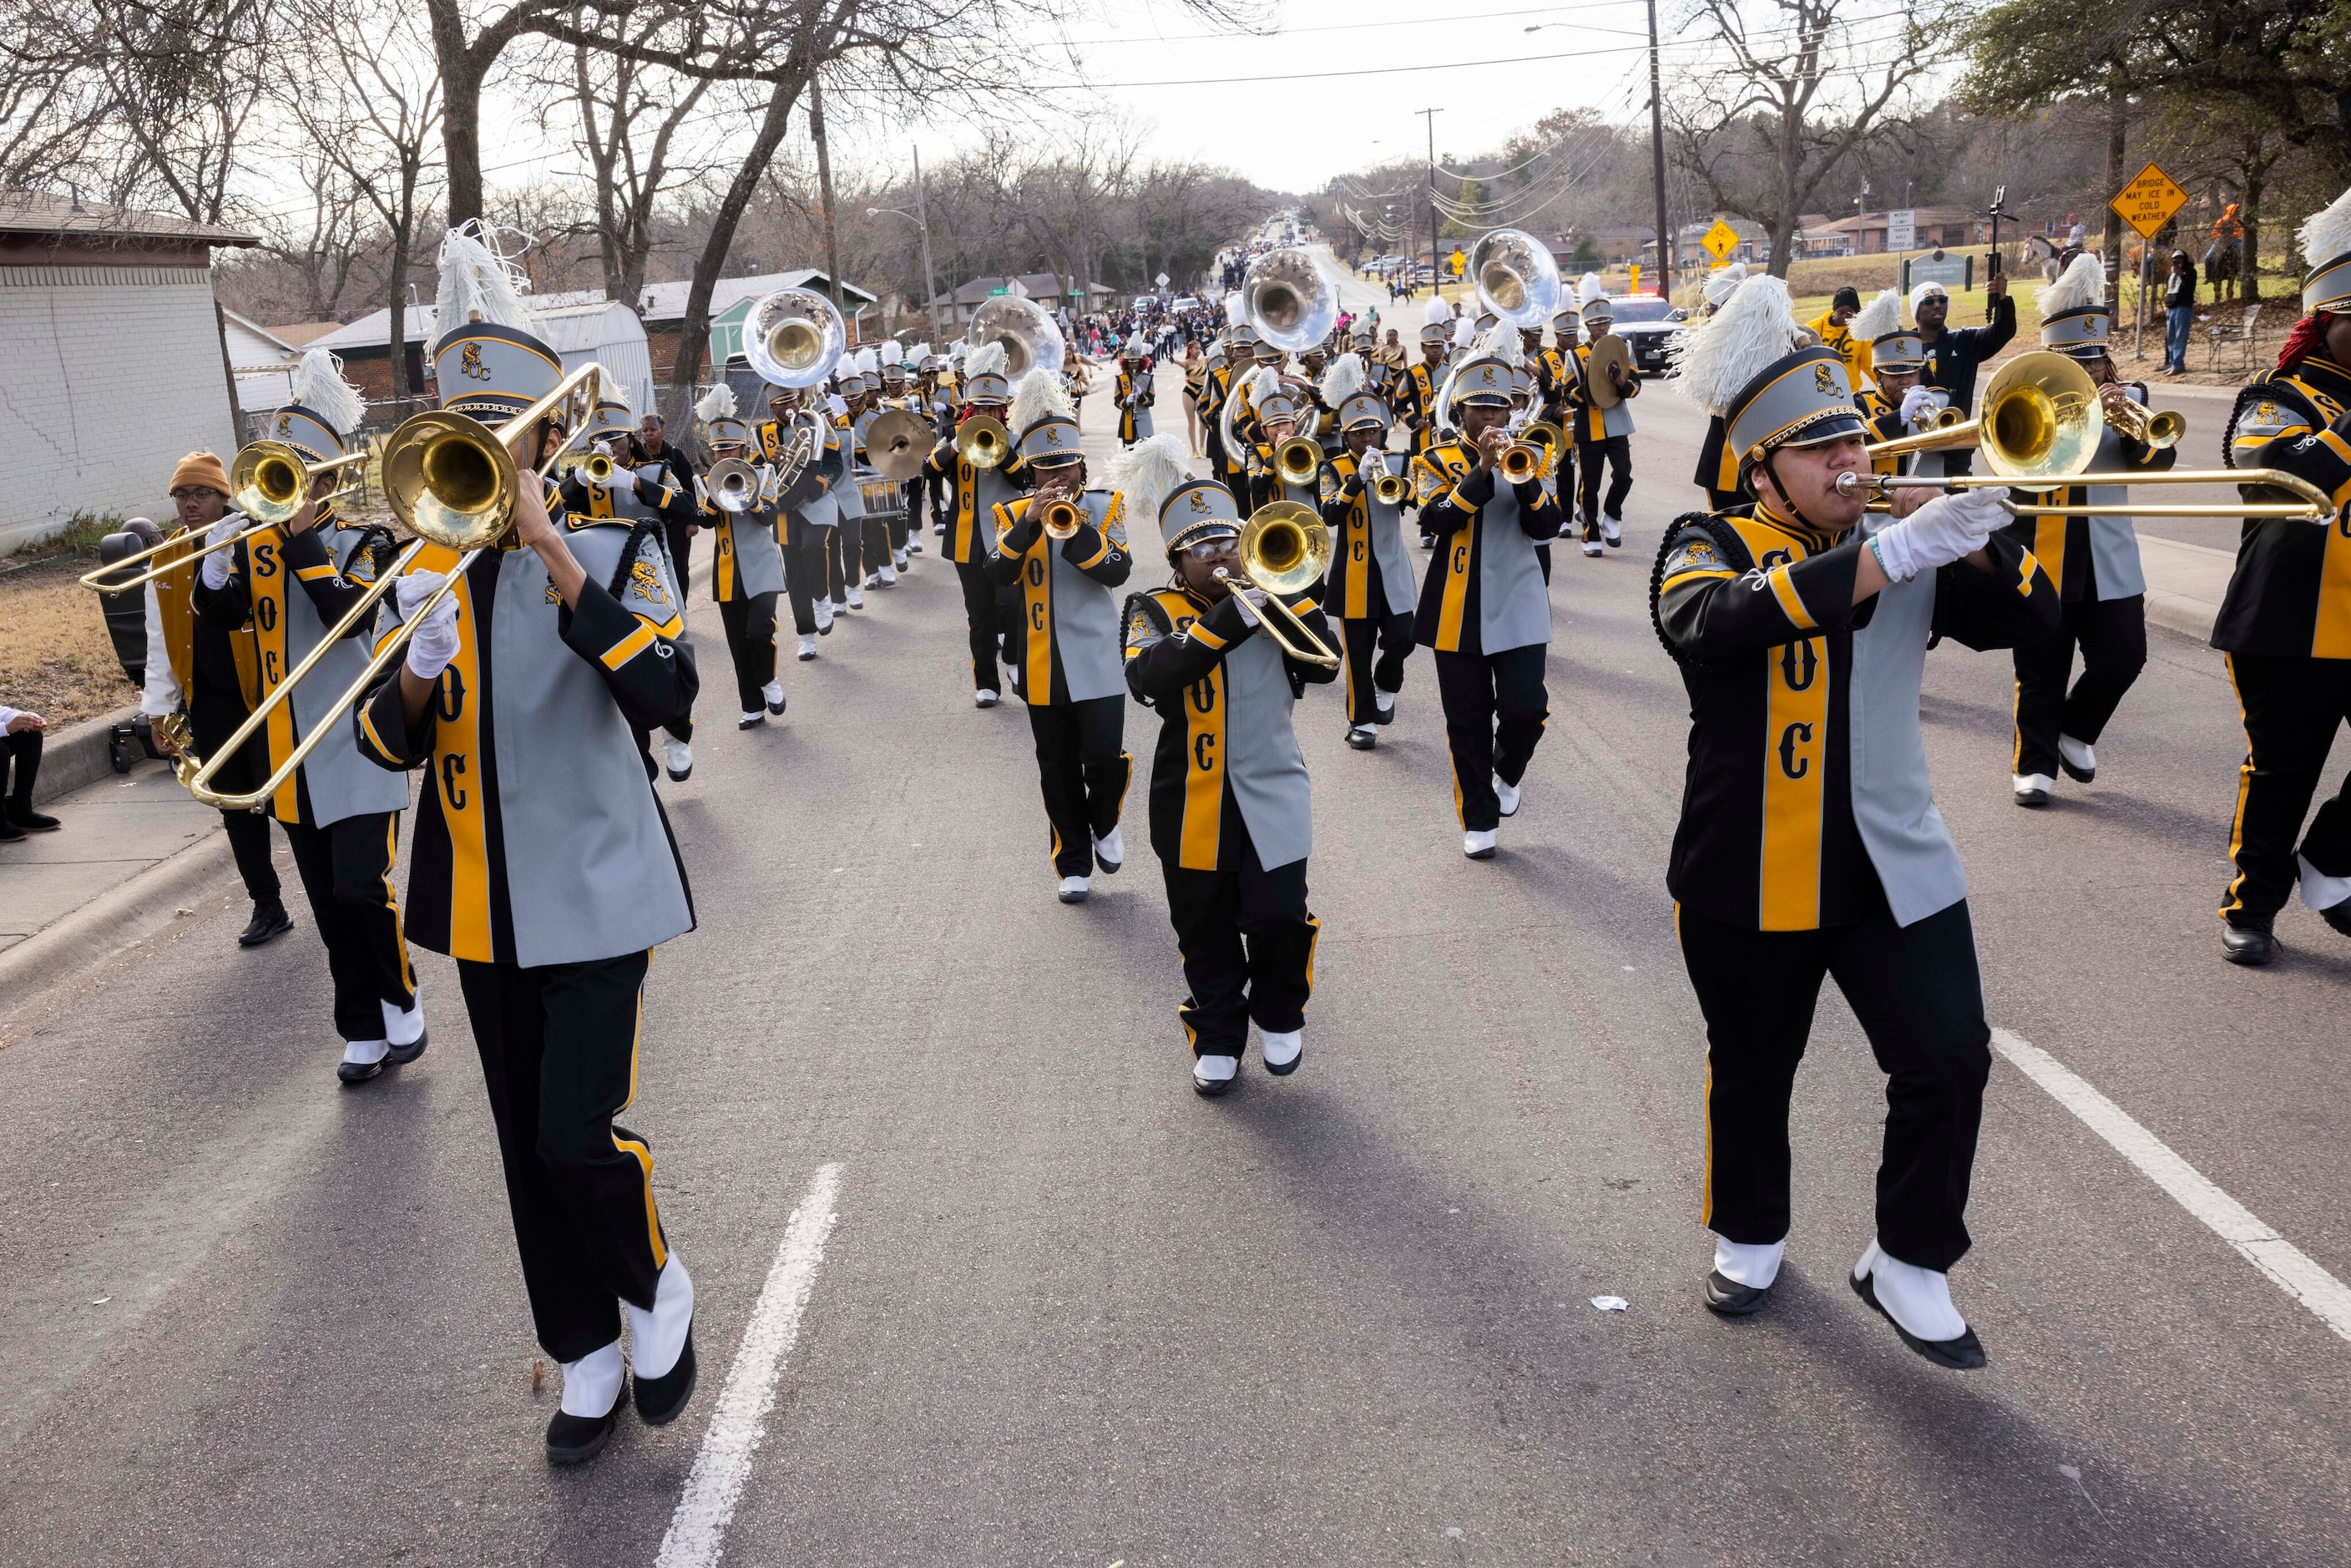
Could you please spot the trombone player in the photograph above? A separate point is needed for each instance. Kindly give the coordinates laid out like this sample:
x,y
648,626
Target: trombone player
x,y
1231,804
1061,549
2093,561
290,581
542,862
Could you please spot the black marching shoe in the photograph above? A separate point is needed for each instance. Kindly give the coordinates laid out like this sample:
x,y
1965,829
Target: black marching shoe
x,y
27,821
2251,945
10,833
360,1072
1731,1299
1362,737
2338,916
1964,1354
573,1439
402,1055
270,921
659,1399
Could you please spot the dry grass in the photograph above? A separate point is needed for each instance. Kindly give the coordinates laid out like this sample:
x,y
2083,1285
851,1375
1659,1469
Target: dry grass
x,y
55,656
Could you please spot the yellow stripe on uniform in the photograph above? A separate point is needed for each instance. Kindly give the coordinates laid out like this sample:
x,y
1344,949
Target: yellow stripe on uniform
x,y
1791,603
456,746
630,647
1460,556
1204,773
2049,542
1795,770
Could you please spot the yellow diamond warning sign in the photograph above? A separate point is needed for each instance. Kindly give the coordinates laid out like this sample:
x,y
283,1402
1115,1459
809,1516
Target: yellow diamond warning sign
x,y
1720,240
2147,203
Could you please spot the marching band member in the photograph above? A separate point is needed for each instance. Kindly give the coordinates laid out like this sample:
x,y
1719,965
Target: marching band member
x,y
1068,622
647,495
1485,607
853,566
543,864
971,494
1133,392
213,670
1602,433
901,537
877,551
1419,384
1230,468
2285,621
2101,592
805,518
1275,416
1370,586
1808,843
1895,402
1746,322
1231,804
292,582
747,571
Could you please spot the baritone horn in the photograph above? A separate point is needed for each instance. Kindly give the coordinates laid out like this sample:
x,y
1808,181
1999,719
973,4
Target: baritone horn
x,y
1286,548
454,482
732,484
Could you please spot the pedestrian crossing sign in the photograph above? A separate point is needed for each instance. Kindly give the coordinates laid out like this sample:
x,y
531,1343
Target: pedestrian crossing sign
x,y
1720,240
2147,203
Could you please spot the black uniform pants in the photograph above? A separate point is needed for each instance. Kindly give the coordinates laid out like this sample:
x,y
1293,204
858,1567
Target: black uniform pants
x,y
559,1047
835,552
346,870
1496,705
211,723
1247,942
2112,636
1083,772
20,765
678,534
2293,706
980,621
804,568
1617,452
750,623
1389,634
1919,999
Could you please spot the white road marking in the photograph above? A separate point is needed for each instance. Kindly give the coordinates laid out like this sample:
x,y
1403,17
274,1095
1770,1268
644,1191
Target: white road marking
x,y
698,1531
2288,1267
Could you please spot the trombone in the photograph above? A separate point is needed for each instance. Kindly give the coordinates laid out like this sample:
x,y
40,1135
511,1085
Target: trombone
x,y
1285,548
983,442
1297,460
269,482
455,483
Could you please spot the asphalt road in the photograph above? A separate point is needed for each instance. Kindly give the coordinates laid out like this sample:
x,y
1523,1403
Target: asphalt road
x,y
1067,1313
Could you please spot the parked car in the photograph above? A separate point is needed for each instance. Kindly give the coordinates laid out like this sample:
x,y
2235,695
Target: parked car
x,y
1649,325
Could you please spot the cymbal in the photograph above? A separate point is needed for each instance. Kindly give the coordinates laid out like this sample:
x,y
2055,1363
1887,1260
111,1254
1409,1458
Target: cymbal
x,y
897,442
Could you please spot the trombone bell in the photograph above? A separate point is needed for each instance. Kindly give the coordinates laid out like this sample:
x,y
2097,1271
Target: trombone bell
x,y
983,442
450,479
1285,548
270,482
1297,460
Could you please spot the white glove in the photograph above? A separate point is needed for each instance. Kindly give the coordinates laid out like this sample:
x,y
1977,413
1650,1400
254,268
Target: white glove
x,y
1914,400
835,402
215,569
1249,601
434,645
1950,528
601,448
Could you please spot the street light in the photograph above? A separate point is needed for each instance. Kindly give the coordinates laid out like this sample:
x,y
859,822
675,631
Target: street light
x,y
922,221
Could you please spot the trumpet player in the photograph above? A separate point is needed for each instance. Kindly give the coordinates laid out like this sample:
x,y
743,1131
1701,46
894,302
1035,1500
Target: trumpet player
x,y
645,496
1485,607
1802,854
292,582
972,490
1062,549
2285,621
746,566
1278,471
1133,392
543,864
1370,587
2093,561
1896,400
1231,804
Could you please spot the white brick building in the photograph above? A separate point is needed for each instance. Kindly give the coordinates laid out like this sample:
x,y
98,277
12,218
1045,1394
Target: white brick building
x,y
111,360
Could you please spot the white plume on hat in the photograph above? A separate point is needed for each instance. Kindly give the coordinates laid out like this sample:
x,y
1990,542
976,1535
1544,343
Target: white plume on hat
x,y
1465,333
1882,315
318,386
1136,347
1147,473
2327,235
1589,290
1724,281
1717,356
1343,379
1236,309
892,354
918,353
479,283
1500,342
1439,311
718,402
1261,383
988,360
868,362
2083,282
1040,392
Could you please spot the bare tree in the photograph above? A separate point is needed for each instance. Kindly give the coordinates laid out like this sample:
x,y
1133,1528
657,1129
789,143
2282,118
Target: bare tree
x,y
1780,107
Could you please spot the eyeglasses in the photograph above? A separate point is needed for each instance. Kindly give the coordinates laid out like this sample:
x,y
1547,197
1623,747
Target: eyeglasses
x,y
1208,550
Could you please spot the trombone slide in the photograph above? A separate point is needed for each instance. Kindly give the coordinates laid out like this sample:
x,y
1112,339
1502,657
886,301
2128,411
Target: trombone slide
x,y
2313,505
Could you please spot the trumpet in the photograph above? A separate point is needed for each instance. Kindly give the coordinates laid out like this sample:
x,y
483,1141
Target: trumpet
x,y
733,485
596,468
983,442
455,483
1061,518
2145,426
1297,460
1521,461
1284,548
268,482
1388,489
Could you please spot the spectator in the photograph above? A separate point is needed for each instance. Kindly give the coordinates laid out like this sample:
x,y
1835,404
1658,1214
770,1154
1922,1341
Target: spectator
x,y
20,765
2076,236
2178,313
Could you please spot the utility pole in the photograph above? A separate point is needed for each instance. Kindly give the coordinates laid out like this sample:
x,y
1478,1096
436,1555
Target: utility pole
x,y
1430,116
923,216
1657,160
824,194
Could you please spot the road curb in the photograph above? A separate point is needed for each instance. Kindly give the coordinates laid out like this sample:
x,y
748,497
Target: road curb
x,y
77,755
2189,617
116,918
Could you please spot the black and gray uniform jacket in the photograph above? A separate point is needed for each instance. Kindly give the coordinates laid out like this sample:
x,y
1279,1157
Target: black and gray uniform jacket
x,y
1228,772
1069,615
539,840
1807,771
2291,592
